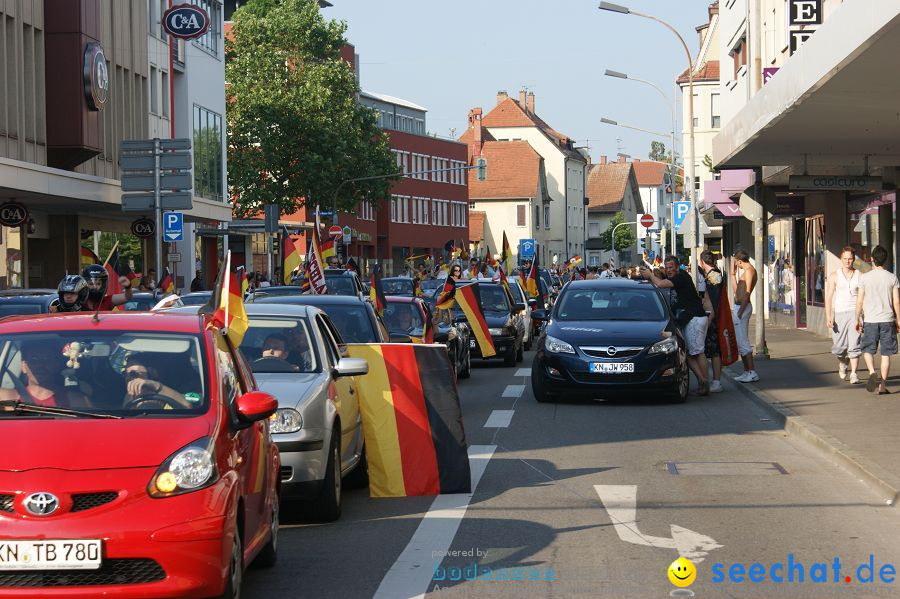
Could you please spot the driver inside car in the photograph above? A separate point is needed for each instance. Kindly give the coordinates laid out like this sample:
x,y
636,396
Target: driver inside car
x,y
275,354
42,365
143,386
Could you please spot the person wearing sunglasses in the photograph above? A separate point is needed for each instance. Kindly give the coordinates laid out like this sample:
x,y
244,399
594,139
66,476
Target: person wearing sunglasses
x,y
142,381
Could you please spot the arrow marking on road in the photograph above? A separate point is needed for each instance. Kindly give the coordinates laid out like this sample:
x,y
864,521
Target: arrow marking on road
x,y
620,502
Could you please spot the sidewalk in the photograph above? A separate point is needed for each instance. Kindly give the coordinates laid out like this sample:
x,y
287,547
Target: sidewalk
x,y
855,429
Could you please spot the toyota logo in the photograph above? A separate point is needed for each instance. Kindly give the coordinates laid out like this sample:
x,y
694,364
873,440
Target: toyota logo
x,y
41,504
611,350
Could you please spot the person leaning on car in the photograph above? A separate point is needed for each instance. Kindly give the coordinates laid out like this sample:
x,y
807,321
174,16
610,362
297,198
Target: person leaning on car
x,y
695,318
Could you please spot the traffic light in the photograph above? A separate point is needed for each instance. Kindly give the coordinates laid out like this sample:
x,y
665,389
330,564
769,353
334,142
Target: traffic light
x,y
481,169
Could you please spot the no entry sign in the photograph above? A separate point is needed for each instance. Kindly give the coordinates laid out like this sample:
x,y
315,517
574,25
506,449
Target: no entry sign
x,y
647,221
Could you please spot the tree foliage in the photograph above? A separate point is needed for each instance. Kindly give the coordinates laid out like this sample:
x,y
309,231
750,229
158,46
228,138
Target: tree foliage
x,y
295,129
658,151
625,235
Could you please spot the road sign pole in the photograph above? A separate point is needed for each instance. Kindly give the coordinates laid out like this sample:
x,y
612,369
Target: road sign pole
x,y
157,208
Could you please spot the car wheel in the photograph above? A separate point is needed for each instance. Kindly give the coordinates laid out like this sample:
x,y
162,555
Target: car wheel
x,y
466,372
539,383
327,506
235,569
359,478
682,387
510,358
269,554
520,353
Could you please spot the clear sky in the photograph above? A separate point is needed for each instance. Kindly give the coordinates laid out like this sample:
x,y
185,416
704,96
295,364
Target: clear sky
x,y
449,56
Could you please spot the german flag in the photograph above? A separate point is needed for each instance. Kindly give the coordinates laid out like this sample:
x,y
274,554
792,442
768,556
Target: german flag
x,y
417,288
226,306
376,291
352,265
165,281
445,297
328,249
469,300
113,287
506,254
290,257
725,329
88,257
532,284
242,280
415,441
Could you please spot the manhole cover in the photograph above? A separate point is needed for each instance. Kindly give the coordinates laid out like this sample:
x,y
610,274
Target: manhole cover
x,y
725,468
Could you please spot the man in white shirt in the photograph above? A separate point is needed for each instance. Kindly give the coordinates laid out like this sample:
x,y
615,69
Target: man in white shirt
x,y
878,302
841,292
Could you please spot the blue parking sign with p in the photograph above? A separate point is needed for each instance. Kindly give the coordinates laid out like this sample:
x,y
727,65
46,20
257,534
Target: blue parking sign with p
x,y
526,247
173,226
681,211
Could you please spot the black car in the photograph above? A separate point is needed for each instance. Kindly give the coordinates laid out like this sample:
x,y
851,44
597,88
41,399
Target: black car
x,y
274,291
397,286
14,302
607,338
343,282
505,321
455,334
354,317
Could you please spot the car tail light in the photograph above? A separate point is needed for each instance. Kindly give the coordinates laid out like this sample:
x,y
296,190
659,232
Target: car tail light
x,y
191,468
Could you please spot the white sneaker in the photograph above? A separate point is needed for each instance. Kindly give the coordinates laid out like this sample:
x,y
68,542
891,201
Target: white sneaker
x,y
842,370
854,378
715,386
741,378
751,377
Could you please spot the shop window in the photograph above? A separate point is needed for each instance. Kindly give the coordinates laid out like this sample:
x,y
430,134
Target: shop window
x,y
207,153
815,260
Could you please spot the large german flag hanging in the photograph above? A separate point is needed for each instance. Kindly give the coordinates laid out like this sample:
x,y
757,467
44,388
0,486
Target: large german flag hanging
x,y
415,441
226,306
376,291
725,329
444,299
469,300
290,257
165,281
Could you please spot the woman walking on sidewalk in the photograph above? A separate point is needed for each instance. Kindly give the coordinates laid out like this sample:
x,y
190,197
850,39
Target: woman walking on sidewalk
x,y
841,291
878,303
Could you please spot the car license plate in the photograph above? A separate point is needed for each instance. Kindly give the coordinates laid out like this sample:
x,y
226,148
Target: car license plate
x,y
612,367
81,554
471,343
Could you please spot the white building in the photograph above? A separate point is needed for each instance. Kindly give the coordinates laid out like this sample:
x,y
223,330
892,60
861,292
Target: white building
x,y
612,188
657,193
564,216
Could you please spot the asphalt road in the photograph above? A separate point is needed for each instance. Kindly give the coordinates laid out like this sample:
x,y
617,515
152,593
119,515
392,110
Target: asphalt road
x,y
593,499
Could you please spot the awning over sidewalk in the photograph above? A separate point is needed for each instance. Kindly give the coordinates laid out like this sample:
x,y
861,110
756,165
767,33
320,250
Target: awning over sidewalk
x,y
834,100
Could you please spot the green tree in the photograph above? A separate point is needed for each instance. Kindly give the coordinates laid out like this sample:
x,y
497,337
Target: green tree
x,y
625,235
658,151
295,129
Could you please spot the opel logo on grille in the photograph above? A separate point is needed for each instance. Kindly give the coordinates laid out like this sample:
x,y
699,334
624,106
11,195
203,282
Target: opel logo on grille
x,y
41,504
611,350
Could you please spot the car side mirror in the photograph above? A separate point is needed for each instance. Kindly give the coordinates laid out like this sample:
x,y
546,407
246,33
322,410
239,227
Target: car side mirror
x,y
255,405
401,339
351,367
539,314
518,308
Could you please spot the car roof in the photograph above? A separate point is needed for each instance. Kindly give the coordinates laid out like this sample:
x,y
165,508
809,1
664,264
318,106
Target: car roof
x,y
280,309
28,299
197,294
397,278
313,300
107,321
616,282
339,271
30,292
401,299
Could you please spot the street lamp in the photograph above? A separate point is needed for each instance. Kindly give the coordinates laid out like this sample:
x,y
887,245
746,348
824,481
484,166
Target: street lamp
x,y
620,75
695,213
607,121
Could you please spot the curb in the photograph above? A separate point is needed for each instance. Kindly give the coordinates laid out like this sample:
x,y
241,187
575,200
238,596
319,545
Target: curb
x,y
839,453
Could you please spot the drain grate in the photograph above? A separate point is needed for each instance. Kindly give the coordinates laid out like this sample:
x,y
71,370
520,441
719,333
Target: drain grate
x,y
725,468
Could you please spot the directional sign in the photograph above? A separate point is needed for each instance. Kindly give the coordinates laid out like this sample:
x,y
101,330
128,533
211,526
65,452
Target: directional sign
x,y
173,226
143,202
145,182
526,248
647,220
681,210
146,162
620,502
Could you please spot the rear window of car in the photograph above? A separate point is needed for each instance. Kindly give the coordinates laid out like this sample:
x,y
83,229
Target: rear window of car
x,y
352,322
278,345
20,309
398,287
610,304
340,285
493,298
127,373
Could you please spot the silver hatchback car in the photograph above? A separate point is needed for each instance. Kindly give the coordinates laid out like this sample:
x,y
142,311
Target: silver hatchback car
x,y
295,354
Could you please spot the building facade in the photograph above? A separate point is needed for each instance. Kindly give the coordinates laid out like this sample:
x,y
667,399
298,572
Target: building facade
x,y
655,185
612,188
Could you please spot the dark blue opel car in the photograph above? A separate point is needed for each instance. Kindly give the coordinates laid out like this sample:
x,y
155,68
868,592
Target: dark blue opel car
x,y
608,338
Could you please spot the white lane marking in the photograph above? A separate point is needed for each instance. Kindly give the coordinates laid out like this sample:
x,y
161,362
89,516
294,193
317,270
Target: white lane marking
x,y
414,569
523,372
513,391
499,419
620,502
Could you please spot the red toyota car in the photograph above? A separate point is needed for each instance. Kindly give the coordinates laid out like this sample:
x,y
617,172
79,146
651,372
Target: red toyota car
x,y
136,459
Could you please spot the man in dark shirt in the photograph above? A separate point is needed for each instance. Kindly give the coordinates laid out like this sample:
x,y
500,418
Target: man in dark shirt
x,y
686,298
713,281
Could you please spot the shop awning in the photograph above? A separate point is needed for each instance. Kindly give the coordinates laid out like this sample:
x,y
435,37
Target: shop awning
x,y
834,101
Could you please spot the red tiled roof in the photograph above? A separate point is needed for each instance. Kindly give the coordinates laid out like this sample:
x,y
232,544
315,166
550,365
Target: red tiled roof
x,y
469,136
513,171
476,225
509,113
606,186
650,173
708,71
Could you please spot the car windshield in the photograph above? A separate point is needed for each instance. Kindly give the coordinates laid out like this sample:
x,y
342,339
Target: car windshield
x,y
19,309
397,286
404,318
610,304
340,285
430,287
140,303
493,298
352,322
278,345
194,300
127,373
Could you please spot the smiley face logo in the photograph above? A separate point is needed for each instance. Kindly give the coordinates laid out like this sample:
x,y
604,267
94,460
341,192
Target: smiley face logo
x,y
682,572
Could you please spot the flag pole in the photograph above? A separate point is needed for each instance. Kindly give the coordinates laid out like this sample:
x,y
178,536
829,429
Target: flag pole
x,y
116,245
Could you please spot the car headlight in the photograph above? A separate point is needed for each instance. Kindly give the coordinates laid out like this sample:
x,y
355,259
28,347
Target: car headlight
x,y
191,468
285,420
497,332
558,346
666,346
